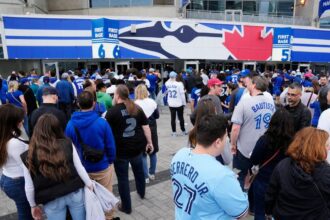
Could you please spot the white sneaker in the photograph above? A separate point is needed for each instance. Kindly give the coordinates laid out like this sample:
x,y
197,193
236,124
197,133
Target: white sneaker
x,y
151,176
174,134
184,133
147,180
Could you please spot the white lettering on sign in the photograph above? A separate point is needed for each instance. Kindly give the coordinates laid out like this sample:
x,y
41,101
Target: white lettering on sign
x,y
283,39
113,32
327,3
98,32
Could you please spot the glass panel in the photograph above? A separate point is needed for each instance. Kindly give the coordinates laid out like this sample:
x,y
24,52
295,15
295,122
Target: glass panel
x,y
285,8
99,3
120,3
163,2
216,5
1,53
196,5
237,4
250,7
141,2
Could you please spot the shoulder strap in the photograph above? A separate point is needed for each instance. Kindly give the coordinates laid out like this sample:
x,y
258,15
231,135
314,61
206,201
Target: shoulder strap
x,y
319,192
79,137
24,141
270,159
309,100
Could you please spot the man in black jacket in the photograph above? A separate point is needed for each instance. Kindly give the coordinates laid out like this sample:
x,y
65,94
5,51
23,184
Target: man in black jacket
x,y
300,113
49,105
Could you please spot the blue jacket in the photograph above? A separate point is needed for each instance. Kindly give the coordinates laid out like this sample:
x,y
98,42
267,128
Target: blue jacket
x,y
65,92
3,91
95,132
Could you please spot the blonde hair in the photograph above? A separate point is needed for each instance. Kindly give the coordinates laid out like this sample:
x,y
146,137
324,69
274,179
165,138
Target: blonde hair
x,y
12,85
141,92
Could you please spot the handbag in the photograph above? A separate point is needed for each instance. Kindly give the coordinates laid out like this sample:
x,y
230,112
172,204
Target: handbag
x,y
89,154
93,206
255,170
107,200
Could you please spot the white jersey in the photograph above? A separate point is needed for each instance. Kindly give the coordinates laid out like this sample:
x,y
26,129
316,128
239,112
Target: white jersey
x,y
253,114
175,93
324,124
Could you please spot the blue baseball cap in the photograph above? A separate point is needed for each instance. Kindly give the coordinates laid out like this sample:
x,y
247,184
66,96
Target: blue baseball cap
x,y
173,74
24,80
244,73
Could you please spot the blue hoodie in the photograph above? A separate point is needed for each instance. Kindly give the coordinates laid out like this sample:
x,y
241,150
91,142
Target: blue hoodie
x,y
95,132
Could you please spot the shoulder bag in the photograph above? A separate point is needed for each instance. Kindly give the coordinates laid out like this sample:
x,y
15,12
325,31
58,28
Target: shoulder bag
x,y
255,170
89,154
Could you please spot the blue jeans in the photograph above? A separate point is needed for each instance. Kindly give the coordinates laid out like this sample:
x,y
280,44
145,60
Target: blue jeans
x,y
259,191
75,201
121,168
14,189
153,163
243,164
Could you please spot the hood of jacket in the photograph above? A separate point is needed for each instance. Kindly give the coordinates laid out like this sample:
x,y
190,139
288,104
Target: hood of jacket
x,y
84,119
100,95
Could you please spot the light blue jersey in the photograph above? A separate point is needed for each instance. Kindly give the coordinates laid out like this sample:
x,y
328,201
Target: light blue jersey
x,y
205,189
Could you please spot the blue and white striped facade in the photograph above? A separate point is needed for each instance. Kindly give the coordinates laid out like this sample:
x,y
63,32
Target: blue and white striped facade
x,y
64,37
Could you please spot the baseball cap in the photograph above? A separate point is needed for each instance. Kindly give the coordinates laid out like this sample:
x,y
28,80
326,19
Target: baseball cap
x,y
151,70
46,79
173,74
65,76
214,82
24,80
244,73
49,91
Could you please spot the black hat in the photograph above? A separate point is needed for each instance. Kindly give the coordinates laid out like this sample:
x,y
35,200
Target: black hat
x,y
49,91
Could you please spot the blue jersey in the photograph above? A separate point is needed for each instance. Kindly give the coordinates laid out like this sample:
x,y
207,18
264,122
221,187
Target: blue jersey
x,y
195,95
200,194
13,98
78,83
226,102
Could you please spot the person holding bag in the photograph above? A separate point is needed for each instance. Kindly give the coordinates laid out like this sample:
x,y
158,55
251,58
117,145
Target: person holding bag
x,y
299,186
268,152
53,173
94,141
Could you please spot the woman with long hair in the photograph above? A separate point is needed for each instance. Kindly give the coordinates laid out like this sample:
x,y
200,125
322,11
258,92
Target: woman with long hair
x,y
299,186
54,175
149,107
133,137
11,147
207,107
269,150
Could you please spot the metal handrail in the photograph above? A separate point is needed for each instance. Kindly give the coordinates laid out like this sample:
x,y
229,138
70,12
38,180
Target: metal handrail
x,y
274,18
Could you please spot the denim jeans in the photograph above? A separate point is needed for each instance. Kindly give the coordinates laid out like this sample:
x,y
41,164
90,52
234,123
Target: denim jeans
x,y
121,168
153,163
14,189
259,191
75,201
243,164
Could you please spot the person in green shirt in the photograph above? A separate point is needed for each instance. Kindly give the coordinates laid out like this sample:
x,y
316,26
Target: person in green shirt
x,y
102,96
34,86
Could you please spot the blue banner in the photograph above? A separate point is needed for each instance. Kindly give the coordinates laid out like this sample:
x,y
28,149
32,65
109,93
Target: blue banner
x,y
105,38
324,8
282,44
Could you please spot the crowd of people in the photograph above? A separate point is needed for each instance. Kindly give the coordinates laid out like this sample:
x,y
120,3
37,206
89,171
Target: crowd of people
x,y
271,128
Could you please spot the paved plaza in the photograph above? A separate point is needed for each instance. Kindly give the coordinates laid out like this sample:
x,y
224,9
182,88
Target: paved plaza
x,y
158,200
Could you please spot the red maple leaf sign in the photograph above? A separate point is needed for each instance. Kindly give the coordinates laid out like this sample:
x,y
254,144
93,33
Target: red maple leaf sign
x,y
251,46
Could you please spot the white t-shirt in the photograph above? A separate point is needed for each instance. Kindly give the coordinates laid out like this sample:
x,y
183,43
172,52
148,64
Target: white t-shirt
x,y
324,121
111,89
13,166
175,93
148,106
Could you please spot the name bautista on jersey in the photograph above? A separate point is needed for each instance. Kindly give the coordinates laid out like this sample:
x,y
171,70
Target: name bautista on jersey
x,y
185,169
263,105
